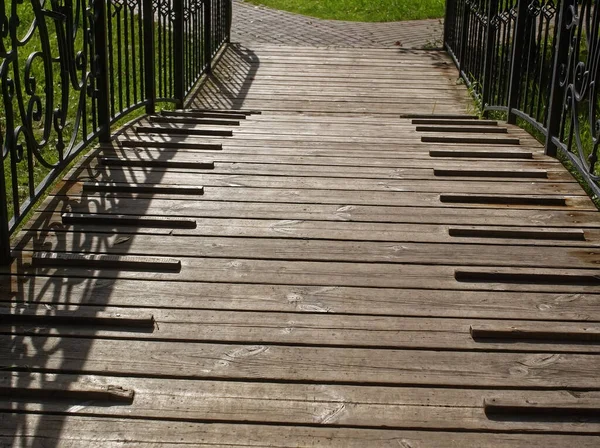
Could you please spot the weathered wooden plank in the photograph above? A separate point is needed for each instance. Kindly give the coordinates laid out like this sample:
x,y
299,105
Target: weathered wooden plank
x,y
319,230
191,120
556,201
110,179
532,277
180,130
340,104
369,145
129,220
188,360
203,115
43,316
282,272
113,262
465,129
324,196
73,431
272,167
535,332
510,174
470,140
315,329
149,143
331,212
483,154
217,111
305,250
61,392
130,187
530,408
501,303
511,233
334,157
443,122
152,163
318,405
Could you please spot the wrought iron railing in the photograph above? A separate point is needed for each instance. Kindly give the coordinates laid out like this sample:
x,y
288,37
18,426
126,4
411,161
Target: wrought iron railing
x,y
70,69
536,60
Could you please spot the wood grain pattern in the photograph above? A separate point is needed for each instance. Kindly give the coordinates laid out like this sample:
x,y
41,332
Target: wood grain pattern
x,y
339,283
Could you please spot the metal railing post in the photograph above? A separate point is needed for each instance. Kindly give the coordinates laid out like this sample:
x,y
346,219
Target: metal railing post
x,y
489,53
557,92
517,56
149,58
464,37
178,46
229,20
102,92
208,35
5,255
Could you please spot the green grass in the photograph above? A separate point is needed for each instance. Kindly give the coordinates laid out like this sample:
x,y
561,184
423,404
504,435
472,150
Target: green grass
x,y
360,10
49,152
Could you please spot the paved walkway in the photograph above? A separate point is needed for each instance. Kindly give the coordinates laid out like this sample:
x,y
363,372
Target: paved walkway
x,y
260,25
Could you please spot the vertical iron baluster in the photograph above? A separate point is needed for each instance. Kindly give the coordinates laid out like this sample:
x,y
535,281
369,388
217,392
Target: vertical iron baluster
x,y
134,62
516,66
149,63
111,63
178,66
490,47
102,93
158,43
229,7
119,59
557,93
5,256
126,38
207,36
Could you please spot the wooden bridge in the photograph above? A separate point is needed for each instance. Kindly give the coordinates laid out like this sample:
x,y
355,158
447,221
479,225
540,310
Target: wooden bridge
x,y
324,250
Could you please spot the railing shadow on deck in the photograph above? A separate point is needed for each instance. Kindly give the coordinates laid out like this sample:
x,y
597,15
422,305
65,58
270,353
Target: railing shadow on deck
x,y
227,87
51,290
51,294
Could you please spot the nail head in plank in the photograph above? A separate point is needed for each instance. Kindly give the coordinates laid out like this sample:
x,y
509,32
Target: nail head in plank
x,y
441,121
183,131
523,407
193,120
491,276
118,161
470,140
512,174
480,154
171,145
129,220
537,234
505,199
117,262
540,332
79,317
143,188
468,129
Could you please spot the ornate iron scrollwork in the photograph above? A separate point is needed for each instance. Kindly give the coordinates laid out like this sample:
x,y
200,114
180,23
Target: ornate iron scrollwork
x,y
580,76
47,66
71,68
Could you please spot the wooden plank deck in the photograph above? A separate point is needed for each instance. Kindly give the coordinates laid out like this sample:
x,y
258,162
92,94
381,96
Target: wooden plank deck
x,y
312,274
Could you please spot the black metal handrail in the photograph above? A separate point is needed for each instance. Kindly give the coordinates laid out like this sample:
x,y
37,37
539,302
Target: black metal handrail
x,y
71,69
536,60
